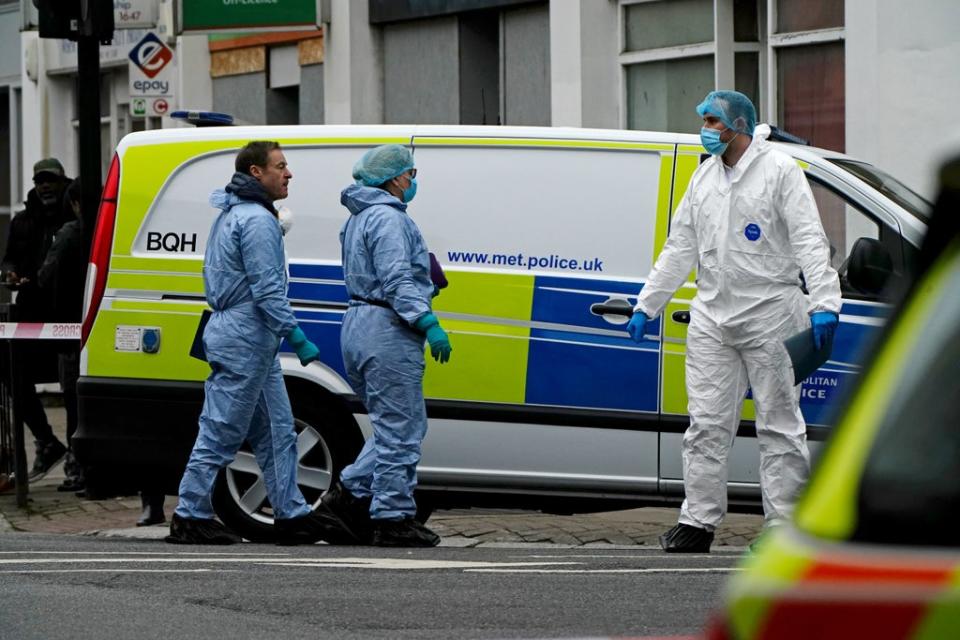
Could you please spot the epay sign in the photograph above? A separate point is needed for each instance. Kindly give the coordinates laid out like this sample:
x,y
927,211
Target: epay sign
x,y
151,73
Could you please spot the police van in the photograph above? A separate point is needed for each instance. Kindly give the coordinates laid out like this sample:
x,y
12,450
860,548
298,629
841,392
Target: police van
x,y
546,235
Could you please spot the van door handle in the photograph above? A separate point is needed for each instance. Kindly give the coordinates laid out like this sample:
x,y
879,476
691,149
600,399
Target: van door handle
x,y
683,317
608,308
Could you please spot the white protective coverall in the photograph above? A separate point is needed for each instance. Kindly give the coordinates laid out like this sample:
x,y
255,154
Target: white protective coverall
x,y
752,233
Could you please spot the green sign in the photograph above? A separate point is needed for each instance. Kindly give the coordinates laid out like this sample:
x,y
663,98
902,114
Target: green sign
x,y
204,16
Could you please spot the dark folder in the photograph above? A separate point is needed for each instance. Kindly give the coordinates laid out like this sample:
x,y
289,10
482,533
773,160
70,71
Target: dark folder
x,y
196,349
804,356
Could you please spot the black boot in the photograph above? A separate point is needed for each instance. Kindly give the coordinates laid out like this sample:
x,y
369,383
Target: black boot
x,y
321,524
73,472
686,539
49,455
200,531
353,512
403,533
152,509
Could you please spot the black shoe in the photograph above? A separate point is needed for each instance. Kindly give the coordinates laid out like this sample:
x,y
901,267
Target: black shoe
x,y
686,539
353,513
152,510
71,468
200,531
71,483
321,524
403,533
48,456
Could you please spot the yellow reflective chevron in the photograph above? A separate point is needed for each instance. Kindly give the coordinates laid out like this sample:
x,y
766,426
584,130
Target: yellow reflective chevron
x,y
489,362
829,507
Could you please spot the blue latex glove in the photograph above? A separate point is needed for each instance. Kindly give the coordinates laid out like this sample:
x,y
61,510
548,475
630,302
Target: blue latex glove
x,y
439,342
637,325
824,324
305,350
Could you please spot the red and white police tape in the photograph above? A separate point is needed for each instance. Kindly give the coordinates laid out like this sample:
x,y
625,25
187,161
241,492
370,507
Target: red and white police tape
x,y
39,331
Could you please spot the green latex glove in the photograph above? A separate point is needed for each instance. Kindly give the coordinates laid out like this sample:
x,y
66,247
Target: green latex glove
x,y
439,342
305,350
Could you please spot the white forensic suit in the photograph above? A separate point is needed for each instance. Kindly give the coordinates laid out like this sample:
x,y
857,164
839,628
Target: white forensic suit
x,y
750,230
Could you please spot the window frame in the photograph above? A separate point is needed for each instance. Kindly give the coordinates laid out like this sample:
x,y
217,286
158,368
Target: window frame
x,y
723,48
628,58
778,41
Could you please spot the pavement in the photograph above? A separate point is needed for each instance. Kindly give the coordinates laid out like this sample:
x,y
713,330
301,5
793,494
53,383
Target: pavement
x,y
50,511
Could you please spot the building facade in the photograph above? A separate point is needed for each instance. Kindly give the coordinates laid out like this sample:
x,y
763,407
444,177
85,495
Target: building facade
x,y
861,76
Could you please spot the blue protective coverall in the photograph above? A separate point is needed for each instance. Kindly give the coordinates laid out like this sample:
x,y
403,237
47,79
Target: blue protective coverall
x,y
385,262
245,281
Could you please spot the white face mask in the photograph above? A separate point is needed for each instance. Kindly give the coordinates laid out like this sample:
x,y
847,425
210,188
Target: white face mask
x,y
285,218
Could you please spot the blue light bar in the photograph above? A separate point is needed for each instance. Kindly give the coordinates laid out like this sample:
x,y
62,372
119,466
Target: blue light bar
x,y
204,118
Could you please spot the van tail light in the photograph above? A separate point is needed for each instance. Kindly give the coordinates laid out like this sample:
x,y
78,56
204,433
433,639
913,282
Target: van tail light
x,y
100,250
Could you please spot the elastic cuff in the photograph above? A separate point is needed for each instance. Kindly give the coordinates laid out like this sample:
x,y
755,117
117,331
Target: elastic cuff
x,y
296,337
425,322
639,308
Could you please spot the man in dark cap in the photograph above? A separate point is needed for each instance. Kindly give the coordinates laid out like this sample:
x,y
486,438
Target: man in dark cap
x,y
30,236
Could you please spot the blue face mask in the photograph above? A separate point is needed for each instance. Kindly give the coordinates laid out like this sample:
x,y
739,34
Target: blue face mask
x,y
410,191
710,138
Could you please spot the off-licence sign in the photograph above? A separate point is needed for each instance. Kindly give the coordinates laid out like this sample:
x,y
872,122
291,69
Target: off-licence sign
x,y
205,16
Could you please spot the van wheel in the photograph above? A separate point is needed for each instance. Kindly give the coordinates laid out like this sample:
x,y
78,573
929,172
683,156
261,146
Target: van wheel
x,y
327,441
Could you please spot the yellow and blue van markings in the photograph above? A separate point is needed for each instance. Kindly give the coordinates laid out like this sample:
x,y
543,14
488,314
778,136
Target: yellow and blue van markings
x,y
507,347
589,368
504,350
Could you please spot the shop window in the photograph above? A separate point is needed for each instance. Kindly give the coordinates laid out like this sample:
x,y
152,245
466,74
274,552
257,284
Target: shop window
x,y
746,22
811,93
809,15
654,25
663,95
283,105
746,73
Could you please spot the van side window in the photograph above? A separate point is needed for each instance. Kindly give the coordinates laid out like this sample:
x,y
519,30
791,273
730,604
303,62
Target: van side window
x,y
868,255
843,222
908,493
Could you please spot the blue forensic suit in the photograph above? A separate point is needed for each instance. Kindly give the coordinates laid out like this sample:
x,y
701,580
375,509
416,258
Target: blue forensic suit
x,y
245,281
387,272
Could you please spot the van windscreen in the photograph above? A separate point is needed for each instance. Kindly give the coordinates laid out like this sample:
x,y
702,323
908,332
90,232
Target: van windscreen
x,y
889,187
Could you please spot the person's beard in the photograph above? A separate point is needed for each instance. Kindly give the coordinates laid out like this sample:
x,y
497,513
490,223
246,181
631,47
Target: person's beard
x,y
48,199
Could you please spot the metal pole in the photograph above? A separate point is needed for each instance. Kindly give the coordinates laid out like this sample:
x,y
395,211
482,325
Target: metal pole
x,y
88,103
19,446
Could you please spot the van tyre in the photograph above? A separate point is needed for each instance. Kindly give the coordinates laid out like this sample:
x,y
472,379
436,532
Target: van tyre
x,y
327,440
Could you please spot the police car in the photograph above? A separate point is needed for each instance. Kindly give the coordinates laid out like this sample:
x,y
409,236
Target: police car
x,y
874,550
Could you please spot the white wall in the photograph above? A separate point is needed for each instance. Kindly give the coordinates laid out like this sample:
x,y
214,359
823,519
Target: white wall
x,y
353,69
903,86
566,89
194,84
33,131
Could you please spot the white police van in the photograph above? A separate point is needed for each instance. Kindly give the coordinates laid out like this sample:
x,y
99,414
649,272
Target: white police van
x,y
545,235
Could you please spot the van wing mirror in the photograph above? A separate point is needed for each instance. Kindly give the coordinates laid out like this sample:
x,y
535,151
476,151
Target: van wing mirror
x,y
868,268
